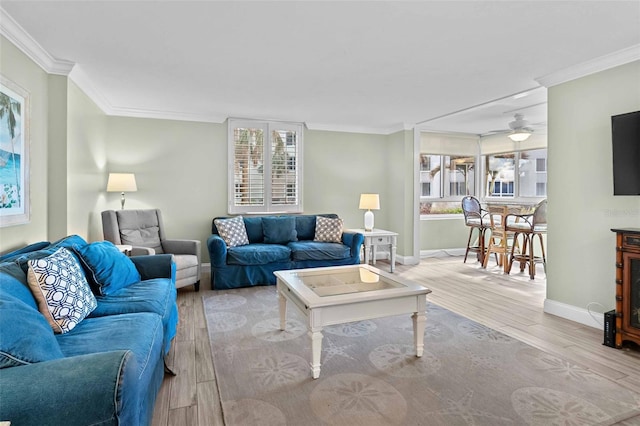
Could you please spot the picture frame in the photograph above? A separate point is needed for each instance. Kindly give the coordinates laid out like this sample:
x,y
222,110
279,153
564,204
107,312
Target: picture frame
x,y
15,206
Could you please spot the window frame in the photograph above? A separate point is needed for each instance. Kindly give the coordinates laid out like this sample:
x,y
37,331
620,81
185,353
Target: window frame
x,y
444,182
267,206
517,196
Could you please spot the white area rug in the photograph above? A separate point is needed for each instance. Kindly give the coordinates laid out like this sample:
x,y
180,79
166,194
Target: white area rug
x,y
468,375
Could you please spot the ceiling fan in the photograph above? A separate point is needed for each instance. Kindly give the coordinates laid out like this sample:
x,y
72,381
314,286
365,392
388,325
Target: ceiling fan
x,y
519,129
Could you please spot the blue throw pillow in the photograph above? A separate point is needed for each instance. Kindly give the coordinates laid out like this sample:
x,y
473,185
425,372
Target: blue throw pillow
x,y
26,336
108,270
279,230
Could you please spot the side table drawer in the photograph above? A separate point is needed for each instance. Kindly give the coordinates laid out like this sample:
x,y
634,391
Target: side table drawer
x,y
381,240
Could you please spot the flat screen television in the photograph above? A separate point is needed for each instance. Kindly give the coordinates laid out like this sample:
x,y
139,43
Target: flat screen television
x,y
625,136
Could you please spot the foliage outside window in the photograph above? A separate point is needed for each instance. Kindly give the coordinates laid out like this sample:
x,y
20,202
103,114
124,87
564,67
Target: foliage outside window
x,y
444,180
516,174
266,172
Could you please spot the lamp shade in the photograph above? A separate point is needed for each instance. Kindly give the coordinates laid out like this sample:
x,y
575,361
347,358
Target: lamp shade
x,y
121,182
369,202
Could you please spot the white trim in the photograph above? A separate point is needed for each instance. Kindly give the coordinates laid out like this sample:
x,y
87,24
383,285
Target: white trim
x,y
602,63
359,129
17,35
574,313
166,115
82,80
442,253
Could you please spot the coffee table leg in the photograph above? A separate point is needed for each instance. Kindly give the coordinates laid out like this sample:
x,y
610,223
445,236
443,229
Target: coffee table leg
x,y
282,301
316,350
419,320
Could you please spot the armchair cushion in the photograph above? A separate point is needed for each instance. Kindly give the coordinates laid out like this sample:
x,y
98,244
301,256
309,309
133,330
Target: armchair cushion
x,y
140,228
279,230
108,270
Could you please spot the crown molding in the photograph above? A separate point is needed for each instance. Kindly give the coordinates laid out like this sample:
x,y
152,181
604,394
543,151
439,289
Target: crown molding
x,y
166,115
621,57
359,129
11,30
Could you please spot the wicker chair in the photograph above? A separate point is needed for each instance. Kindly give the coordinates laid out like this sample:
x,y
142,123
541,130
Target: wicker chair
x,y
529,226
475,217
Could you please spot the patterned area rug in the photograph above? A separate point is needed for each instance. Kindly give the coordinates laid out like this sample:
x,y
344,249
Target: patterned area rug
x,y
468,375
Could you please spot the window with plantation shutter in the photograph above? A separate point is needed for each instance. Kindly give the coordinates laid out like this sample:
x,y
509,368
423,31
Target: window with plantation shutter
x,y
265,167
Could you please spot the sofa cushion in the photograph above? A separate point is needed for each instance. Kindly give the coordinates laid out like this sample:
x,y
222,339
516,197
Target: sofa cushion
x,y
306,227
258,254
28,249
140,333
108,269
328,229
25,335
61,290
253,225
13,282
314,250
157,295
279,230
232,231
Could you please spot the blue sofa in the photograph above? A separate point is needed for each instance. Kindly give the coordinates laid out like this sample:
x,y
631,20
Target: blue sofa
x,y
107,369
255,263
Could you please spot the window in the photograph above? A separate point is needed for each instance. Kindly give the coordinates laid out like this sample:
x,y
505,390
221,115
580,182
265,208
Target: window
x,y
516,174
444,180
266,172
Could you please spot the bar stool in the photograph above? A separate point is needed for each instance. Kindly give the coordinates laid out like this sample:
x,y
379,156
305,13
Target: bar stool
x,y
529,226
500,236
475,218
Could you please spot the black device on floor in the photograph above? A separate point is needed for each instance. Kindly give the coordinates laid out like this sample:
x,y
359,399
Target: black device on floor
x,y
610,329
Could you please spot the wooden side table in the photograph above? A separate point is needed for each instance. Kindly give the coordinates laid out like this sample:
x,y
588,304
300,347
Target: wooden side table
x,y
375,238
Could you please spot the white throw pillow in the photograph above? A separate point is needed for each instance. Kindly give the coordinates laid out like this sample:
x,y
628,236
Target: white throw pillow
x,y
232,231
328,230
61,289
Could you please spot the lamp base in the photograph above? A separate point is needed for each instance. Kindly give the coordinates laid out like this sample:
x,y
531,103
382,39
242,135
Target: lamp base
x,y
368,220
122,202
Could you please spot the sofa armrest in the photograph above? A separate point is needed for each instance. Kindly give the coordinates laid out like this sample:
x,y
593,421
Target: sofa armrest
x,y
217,250
354,240
156,266
100,388
182,247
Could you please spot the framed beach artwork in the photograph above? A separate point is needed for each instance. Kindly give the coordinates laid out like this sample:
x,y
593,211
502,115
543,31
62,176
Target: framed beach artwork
x,y
14,154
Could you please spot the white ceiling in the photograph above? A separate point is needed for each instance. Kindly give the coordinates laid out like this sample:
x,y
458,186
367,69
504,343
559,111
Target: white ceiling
x,y
359,66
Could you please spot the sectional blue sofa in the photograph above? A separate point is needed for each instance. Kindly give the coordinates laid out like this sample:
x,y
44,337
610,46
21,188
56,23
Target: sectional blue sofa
x,y
108,368
276,243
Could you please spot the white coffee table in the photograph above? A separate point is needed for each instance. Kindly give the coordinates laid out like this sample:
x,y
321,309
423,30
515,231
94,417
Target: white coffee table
x,y
341,294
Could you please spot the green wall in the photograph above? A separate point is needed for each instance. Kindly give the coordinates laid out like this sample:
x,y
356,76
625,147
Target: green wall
x,y
22,71
582,208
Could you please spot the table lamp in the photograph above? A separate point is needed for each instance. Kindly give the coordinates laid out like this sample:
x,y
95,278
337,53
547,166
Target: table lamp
x,y
122,182
369,202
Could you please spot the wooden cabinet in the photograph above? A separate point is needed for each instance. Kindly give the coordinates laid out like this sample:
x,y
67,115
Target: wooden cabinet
x,y
627,285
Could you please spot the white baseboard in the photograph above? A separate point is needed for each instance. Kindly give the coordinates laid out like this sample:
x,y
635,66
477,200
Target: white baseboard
x,y
442,253
574,313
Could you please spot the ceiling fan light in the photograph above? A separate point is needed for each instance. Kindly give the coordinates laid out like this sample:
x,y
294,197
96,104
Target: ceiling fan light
x,y
519,135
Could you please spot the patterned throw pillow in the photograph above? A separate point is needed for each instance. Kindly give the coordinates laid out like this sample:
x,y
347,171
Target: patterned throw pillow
x,y
61,289
232,231
328,230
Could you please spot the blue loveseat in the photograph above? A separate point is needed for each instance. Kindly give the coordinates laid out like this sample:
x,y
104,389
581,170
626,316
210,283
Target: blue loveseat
x,y
107,369
254,263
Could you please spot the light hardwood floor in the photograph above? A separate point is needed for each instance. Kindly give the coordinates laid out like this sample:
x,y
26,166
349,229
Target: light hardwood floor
x,y
511,304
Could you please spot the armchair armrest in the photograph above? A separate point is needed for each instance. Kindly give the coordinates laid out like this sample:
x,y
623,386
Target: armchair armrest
x,y
142,251
354,240
100,388
217,250
155,266
182,247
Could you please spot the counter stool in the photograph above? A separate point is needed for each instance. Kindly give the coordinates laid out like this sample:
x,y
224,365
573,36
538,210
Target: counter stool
x,y
529,226
475,218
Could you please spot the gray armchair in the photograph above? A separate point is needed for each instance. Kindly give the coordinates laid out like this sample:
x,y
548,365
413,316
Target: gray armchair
x,y
144,231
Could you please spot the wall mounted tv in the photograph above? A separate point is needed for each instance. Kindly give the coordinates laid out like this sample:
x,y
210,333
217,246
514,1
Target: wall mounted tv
x,y
625,135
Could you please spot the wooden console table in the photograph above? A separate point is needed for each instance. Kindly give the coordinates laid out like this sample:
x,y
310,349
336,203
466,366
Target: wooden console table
x,y
627,285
